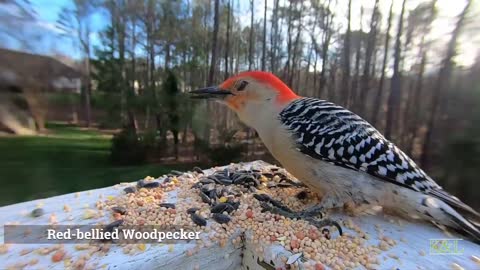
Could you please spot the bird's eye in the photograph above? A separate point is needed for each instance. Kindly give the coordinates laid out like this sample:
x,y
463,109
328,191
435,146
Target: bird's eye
x,y
242,85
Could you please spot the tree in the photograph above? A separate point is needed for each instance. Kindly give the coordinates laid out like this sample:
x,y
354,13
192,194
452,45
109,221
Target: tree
x,y
227,40
213,63
395,88
377,104
77,20
251,40
420,19
346,57
442,82
371,42
358,40
274,37
264,45
327,35
171,99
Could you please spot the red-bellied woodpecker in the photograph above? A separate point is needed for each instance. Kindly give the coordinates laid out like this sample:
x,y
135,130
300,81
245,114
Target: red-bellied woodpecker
x,y
336,153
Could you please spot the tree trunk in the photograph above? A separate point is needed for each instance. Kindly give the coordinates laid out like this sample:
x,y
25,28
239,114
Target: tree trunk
x,y
274,37
396,87
251,42
413,118
378,97
442,82
353,100
295,52
87,91
131,112
264,48
325,47
213,63
227,41
365,87
346,58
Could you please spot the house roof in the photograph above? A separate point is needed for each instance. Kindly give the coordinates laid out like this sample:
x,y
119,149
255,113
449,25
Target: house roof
x,y
18,68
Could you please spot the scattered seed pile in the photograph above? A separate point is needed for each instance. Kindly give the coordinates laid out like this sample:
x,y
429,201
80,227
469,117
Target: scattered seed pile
x,y
225,207
227,202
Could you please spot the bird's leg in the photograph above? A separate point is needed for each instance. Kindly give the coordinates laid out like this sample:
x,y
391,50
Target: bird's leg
x,y
315,215
276,207
328,201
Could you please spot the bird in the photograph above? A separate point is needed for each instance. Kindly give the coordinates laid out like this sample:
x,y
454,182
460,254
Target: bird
x,y
336,153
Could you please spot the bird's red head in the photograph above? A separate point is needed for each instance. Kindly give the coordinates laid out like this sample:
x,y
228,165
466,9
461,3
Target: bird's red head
x,y
256,82
253,95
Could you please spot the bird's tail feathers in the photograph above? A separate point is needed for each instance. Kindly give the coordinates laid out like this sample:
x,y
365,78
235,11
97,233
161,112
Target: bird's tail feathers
x,y
461,218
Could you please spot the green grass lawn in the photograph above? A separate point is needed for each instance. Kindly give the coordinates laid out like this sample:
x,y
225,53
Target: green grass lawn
x,y
69,159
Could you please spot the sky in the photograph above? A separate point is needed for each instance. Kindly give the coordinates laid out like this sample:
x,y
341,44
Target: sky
x,y
53,40
48,11
45,35
469,42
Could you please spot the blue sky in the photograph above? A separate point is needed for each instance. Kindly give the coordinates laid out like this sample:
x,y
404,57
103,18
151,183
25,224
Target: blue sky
x,y
48,38
48,11
52,41
42,35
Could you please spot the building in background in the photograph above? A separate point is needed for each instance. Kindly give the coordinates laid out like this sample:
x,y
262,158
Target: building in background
x,y
25,79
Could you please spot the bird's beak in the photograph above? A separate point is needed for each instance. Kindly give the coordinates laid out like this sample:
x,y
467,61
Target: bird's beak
x,y
213,92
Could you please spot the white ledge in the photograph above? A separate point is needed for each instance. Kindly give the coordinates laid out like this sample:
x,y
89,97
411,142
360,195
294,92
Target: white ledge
x,y
412,248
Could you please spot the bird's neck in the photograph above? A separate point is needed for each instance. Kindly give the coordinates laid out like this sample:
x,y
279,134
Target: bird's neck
x,y
260,116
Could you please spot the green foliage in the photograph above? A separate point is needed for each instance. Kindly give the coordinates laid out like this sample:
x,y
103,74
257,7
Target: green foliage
x,y
461,154
171,100
107,67
152,141
226,154
128,148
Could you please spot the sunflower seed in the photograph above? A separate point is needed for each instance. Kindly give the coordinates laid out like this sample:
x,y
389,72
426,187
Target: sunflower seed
x,y
235,205
192,210
205,180
197,219
261,197
213,194
38,212
205,198
113,225
144,184
197,170
131,189
176,173
119,209
224,181
222,207
221,218
197,185
167,205
151,185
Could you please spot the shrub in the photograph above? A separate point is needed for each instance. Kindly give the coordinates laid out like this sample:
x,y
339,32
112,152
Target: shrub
x,y
225,154
128,148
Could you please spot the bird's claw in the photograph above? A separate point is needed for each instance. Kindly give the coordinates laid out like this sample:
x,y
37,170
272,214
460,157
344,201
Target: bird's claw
x,y
313,212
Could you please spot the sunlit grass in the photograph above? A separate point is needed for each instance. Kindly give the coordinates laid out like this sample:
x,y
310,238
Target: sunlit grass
x,y
68,159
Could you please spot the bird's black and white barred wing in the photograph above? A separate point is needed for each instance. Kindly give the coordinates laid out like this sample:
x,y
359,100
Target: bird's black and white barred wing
x,y
334,134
